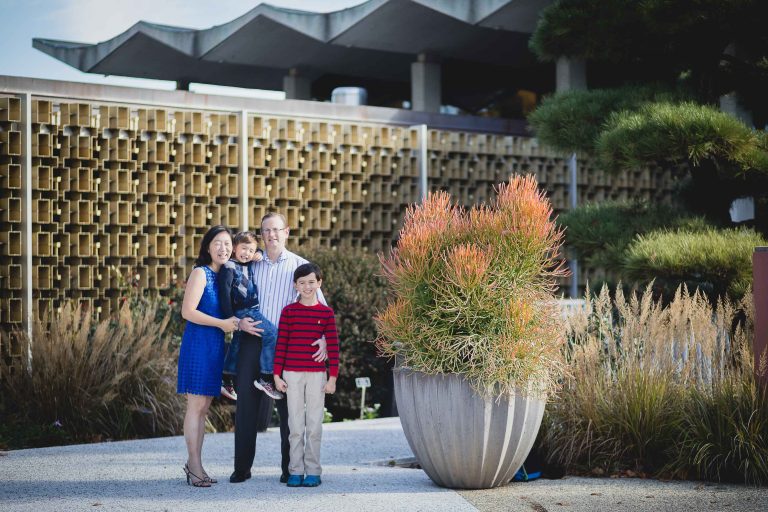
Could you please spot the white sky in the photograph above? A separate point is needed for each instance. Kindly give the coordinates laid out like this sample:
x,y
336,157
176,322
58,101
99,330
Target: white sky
x,y
92,21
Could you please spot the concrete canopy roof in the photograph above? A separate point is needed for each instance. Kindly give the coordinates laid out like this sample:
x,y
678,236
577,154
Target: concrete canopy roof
x,y
372,44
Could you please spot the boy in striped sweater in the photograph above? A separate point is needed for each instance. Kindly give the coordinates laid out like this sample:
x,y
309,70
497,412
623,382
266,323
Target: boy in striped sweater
x,y
302,379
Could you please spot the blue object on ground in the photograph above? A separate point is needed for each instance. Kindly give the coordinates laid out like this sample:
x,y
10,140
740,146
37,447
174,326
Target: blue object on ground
x,y
311,481
523,476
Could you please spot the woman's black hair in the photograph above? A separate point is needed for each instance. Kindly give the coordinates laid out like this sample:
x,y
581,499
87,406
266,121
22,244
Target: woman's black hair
x,y
205,257
306,269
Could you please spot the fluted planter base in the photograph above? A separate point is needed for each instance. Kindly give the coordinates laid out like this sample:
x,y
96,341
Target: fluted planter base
x,y
462,440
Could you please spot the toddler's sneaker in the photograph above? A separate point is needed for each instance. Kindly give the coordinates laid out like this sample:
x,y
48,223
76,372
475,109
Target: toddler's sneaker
x,y
228,391
267,388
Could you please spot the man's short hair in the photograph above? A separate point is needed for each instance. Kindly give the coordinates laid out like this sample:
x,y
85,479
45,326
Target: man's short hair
x,y
306,269
280,216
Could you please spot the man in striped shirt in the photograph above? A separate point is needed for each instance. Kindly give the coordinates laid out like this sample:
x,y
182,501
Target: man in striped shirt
x,y
274,279
301,377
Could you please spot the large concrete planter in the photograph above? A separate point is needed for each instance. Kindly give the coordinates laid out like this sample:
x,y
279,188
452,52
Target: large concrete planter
x,y
462,440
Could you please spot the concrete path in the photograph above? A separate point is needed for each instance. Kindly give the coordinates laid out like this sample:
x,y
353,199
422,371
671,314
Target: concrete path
x,y
146,475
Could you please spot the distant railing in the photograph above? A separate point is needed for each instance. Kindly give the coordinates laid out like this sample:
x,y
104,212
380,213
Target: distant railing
x,y
569,307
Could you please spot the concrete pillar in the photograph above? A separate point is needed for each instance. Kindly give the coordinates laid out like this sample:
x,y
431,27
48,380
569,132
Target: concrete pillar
x,y
730,103
26,226
297,87
760,294
426,90
570,74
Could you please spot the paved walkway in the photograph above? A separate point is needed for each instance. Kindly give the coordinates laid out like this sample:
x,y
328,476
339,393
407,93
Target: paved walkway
x,y
146,475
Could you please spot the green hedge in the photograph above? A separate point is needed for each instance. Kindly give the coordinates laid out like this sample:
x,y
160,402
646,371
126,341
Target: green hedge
x,y
718,262
356,292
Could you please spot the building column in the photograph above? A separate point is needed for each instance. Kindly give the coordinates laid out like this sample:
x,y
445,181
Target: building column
x,y
730,103
297,87
426,90
570,74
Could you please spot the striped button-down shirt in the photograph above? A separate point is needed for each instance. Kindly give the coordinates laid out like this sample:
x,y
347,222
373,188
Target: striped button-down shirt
x,y
275,282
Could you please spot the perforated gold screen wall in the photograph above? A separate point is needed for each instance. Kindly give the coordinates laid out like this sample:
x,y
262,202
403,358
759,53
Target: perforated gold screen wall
x,y
135,188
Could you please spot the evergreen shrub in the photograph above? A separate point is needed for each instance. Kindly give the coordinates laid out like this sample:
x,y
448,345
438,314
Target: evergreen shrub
x,y
600,233
717,262
665,133
573,120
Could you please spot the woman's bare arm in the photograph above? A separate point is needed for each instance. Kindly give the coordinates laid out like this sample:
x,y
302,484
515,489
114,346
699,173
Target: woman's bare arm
x,y
192,295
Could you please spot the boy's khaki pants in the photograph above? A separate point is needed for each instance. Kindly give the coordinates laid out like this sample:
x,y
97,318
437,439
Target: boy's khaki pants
x,y
306,399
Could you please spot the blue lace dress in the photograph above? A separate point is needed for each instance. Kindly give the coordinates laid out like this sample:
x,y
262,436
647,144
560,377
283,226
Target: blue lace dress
x,y
201,357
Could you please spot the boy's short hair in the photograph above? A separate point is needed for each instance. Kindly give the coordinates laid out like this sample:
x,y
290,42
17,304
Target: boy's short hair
x,y
245,237
306,269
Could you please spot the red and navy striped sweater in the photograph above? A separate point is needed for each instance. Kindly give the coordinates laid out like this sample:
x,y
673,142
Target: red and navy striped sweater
x,y
299,326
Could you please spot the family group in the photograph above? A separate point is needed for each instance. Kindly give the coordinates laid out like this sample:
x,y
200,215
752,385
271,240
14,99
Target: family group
x,y
237,288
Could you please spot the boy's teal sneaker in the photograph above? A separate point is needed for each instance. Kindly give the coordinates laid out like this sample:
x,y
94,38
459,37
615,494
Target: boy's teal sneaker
x,y
311,481
294,481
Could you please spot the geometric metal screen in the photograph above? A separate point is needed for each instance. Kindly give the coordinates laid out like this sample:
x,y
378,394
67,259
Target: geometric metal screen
x,y
134,187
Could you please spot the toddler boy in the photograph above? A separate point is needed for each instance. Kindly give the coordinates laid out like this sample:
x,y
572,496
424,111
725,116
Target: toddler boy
x,y
239,296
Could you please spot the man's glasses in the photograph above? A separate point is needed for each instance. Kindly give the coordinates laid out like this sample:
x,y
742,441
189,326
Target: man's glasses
x,y
271,231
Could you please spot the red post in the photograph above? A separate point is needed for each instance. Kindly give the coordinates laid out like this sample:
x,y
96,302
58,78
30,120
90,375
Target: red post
x,y
760,293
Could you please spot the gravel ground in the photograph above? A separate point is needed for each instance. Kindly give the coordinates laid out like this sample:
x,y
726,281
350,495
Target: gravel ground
x,y
146,475
618,495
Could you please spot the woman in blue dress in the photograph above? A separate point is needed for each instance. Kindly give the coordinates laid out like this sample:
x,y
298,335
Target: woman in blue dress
x,y
201,356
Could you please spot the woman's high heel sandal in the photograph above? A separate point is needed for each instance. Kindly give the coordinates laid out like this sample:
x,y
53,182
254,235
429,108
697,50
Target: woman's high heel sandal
x,y
205,475
200,482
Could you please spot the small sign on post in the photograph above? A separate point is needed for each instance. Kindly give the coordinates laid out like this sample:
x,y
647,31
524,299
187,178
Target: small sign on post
x,y
362,383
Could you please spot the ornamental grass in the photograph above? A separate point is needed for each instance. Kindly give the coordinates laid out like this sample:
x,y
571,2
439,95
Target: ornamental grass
x,y
666,390
94,381
472,291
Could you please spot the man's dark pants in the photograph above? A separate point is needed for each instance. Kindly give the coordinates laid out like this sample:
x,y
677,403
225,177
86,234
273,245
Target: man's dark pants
x,y
248,406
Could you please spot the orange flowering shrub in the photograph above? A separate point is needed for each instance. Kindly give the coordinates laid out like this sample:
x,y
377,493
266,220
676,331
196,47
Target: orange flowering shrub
x,y
473,291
